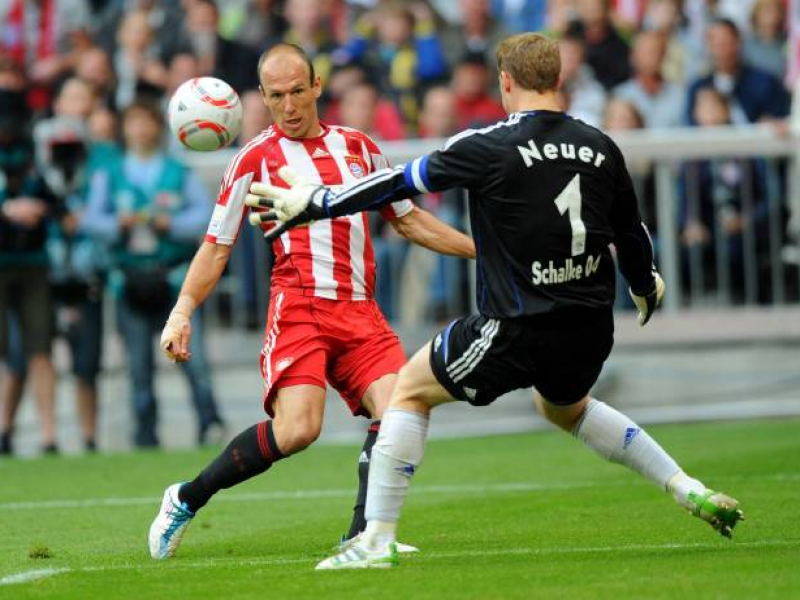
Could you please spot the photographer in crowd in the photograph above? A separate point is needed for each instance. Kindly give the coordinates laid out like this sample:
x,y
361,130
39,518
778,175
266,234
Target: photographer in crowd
x,y
25,206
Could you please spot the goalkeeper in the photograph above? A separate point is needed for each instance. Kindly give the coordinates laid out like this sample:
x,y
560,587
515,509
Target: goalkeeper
x,y
548,195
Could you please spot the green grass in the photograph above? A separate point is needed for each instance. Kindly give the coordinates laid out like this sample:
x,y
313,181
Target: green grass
x,y
520,516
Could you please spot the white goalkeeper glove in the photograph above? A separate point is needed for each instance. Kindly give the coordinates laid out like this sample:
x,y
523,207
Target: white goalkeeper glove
x,y
304,201
647,301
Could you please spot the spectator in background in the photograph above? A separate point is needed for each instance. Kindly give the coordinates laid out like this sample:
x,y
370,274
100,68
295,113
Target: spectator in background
x,y
754,94
388,123
62,148
719,199
362,108
685,59
43,38
476,32
474,106
765,46
183,67
229,60
622,115
659,102
518,16
560,13
431,284
606,51
306,27
25,205
251,22
399,47
150,210
136,61
255,116
584,97
94,67
164,18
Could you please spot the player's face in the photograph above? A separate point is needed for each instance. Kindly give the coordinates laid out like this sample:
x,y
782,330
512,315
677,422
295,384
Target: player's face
x,y
290,96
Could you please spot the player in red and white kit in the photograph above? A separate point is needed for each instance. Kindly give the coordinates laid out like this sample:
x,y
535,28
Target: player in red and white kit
x,y
323,323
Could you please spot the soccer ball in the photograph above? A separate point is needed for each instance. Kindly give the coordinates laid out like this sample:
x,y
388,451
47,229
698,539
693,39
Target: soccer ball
x,y
205,114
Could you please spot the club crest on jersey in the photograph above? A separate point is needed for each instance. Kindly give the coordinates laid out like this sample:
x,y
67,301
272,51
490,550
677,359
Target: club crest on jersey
x,y
356,165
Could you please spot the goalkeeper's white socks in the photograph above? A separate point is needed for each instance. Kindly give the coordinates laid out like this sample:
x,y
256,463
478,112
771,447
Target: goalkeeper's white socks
x,y
617,438
395,457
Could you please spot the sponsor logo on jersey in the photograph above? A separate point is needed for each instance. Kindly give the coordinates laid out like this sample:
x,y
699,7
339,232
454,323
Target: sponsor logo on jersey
x,y
283,363
356,165
565,272
319,153
630,434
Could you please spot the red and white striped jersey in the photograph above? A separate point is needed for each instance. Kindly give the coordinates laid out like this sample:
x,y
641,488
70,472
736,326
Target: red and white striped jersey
x,y
331,258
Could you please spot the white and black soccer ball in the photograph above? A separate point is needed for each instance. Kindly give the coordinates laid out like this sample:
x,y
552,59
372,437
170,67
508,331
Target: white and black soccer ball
x,y
205,114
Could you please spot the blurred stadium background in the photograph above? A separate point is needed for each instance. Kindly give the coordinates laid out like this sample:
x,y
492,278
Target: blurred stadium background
x,y
697,92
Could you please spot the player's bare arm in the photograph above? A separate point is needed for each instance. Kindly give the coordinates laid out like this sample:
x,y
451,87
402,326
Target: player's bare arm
x,y
422,228
204,272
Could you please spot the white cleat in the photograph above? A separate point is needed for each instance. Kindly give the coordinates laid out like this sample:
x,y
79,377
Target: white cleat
x,y
357,556
169,525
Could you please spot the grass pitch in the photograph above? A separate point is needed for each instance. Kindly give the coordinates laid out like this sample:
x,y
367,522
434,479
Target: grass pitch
x,y
520,516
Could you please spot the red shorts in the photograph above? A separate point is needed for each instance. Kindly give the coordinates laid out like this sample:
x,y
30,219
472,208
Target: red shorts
x,y
310,340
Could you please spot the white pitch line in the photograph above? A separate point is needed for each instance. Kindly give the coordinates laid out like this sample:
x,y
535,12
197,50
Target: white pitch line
x,y
509,487
28,576
307,494
310,560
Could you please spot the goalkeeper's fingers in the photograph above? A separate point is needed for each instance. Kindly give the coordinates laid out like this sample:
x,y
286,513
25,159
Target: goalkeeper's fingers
x,y
255,201
269,191
257,218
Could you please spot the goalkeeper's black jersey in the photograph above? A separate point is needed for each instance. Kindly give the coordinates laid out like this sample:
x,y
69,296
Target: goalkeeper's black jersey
x,y
548,194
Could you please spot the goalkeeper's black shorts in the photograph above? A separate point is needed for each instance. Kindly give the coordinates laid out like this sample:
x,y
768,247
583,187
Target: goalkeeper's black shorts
x,y
478,359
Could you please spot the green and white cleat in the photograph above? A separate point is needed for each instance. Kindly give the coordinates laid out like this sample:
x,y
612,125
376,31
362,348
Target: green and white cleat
x,y
344,544
718,510
356,556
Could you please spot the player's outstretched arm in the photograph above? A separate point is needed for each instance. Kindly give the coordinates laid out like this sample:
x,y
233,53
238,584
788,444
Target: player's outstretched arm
x,y
463,162
204,272
422,228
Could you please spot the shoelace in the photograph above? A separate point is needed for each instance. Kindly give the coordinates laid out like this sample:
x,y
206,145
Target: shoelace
x,y
179,516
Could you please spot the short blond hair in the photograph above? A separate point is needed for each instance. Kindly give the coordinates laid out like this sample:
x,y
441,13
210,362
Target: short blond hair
x,y
532,59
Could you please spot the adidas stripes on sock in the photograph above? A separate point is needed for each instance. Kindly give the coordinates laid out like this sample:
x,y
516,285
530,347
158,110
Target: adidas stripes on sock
x,y
617,438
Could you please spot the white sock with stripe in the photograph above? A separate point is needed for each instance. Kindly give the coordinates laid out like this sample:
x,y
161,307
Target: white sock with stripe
x,y
618,439
395,457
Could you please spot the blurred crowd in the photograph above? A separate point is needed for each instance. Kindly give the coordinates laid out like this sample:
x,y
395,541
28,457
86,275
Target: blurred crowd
x,y
96,203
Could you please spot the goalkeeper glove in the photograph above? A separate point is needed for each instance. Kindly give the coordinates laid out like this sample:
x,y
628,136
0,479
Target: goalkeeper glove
x,y
304,201
647,301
